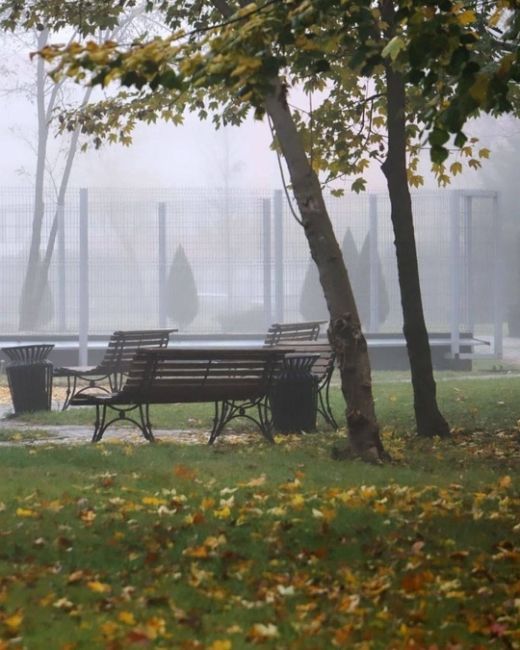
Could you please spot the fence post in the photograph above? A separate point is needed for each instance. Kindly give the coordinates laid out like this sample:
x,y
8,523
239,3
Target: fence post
x,y
374,319
267,261
278,257
455,270
162,263
467,215
62,307
83,278
498,279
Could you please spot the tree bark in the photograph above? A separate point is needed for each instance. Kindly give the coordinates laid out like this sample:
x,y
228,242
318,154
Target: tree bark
x,y
429,419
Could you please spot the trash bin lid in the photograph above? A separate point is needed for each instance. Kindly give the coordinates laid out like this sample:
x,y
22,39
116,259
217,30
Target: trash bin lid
x,y
28,353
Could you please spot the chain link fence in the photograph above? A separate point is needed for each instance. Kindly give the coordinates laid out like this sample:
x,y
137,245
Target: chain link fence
x,y
238,260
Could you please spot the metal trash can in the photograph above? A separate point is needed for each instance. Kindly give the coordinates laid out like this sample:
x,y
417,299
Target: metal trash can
x,y
294,396
30,377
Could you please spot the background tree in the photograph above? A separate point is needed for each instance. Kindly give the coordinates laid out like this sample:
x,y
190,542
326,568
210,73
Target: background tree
x,y
38,20
363,285
312,302
182,298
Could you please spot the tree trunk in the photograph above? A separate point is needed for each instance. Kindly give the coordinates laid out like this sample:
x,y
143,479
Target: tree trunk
x,y
345,330
429,419
28,300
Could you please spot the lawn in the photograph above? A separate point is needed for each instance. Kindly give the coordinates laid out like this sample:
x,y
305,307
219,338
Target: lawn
x,y
246,545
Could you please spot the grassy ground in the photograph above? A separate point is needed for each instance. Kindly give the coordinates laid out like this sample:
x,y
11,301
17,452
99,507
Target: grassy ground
x,y
250,545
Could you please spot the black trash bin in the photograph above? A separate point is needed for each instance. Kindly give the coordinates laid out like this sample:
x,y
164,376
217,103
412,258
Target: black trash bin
x,y
30,377
294,396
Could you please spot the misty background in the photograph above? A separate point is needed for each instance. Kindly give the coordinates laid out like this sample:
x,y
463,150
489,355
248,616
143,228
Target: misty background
x,y
214,188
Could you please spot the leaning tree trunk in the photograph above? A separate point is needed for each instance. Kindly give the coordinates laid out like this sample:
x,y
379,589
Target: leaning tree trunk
x,y
345,330
429,419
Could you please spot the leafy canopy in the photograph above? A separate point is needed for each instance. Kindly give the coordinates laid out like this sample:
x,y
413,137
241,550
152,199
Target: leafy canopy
x,y
457,58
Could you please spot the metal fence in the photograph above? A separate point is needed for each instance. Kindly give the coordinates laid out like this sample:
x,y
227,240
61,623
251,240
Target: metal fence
x,y
112,264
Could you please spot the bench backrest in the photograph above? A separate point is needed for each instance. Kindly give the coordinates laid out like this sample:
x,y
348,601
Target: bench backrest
x,y
201,374
124,344
280,332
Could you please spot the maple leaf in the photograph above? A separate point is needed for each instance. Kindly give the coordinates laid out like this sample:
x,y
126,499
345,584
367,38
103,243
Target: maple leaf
x,y
14,621
222,513
98,587
126,617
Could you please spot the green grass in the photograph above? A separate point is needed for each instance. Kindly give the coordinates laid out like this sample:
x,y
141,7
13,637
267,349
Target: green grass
x,y
173,546
245,544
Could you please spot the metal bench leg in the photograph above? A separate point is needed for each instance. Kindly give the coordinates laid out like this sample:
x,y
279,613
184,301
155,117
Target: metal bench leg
x,y
324,405
265,419
144,414
99,425
219,420
71,389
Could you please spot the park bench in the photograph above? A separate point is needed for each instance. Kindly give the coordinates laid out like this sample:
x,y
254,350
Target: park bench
x,y
109,374
236,380
282,332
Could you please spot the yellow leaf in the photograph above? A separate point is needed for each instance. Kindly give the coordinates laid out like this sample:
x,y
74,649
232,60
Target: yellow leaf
x,y
223,513
152,501
14,621
297,501
219,644
483,153
25,512
467,17
126,617
456,168
98,587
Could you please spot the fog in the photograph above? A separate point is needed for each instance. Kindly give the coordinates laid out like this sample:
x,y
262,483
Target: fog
x,y
195,155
